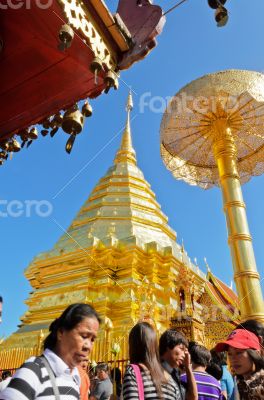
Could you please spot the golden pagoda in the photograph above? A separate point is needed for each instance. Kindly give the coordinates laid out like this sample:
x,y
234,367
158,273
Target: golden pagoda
x,y
120,255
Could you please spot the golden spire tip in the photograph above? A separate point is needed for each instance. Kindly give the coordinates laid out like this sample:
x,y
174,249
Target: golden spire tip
x,y
129,105
207,265
126,152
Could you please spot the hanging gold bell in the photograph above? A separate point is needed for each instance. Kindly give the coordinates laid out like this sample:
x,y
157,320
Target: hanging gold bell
x,y
14,146
4,145
53,124
73,121
221,16
56,121
87,109
110,81
4,155
96,66
46,123
66,35
23,134
33,133
216,3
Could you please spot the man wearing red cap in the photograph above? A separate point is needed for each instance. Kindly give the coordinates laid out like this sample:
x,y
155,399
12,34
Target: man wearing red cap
x,y
243,348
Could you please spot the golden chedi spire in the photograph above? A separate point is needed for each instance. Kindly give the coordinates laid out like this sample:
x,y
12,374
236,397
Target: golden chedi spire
x,y
126,153
122,208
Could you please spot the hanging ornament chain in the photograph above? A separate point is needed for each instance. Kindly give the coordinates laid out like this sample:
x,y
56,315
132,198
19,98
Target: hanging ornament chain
x,y
175,6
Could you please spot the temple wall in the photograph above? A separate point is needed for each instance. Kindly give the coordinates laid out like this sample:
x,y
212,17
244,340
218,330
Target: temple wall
x,y
131,285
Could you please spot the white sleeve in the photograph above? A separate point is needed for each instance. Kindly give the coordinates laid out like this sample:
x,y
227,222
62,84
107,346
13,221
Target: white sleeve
x,y
25,384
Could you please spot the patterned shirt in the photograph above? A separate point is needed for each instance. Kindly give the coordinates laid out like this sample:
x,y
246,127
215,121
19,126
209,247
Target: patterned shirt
x,y
31,381
208,387
130,388
176,376
251,388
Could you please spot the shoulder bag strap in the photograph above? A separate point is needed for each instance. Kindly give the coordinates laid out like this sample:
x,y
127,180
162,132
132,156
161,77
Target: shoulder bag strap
x,y
52,377
139,381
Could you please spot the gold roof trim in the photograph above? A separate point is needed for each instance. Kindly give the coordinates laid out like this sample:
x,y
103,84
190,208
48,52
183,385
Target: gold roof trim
x,y
110,24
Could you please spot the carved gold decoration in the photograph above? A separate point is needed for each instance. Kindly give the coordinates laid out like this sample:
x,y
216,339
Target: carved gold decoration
x,y
79,18
212,133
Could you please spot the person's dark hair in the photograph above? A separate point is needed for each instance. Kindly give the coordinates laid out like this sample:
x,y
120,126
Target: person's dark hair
x,y
143,348
102,367
253,326
200,355
169,339
257,359
72,316
214,370
118,380
191,344
118,375
219,358
6,374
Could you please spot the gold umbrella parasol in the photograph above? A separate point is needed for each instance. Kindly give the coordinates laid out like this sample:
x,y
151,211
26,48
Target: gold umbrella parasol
x,y
212,134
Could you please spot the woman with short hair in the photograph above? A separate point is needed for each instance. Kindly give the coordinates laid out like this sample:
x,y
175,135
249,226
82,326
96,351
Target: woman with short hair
x,y
54,375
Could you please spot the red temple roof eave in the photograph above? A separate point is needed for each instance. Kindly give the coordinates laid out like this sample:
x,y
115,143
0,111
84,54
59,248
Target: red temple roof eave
x,y
219,301
225,291
49,81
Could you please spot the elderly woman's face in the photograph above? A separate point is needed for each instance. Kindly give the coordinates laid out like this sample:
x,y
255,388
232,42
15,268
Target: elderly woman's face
x,y
75,345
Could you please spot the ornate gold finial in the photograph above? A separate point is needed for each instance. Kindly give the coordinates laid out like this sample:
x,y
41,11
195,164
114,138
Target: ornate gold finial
x,y
206,264
182,247
126,153
129,106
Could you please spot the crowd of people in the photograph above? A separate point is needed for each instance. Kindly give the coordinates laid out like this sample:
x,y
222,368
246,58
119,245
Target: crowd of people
x,y
168,369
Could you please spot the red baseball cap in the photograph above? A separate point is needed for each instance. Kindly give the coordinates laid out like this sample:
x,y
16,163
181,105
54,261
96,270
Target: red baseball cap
x,y
240,339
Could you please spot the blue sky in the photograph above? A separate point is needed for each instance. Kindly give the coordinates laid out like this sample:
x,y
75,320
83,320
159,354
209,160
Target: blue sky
x,y
190,46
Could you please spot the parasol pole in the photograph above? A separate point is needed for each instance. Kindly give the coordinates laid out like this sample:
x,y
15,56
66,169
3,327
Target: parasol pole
x,y
239,238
